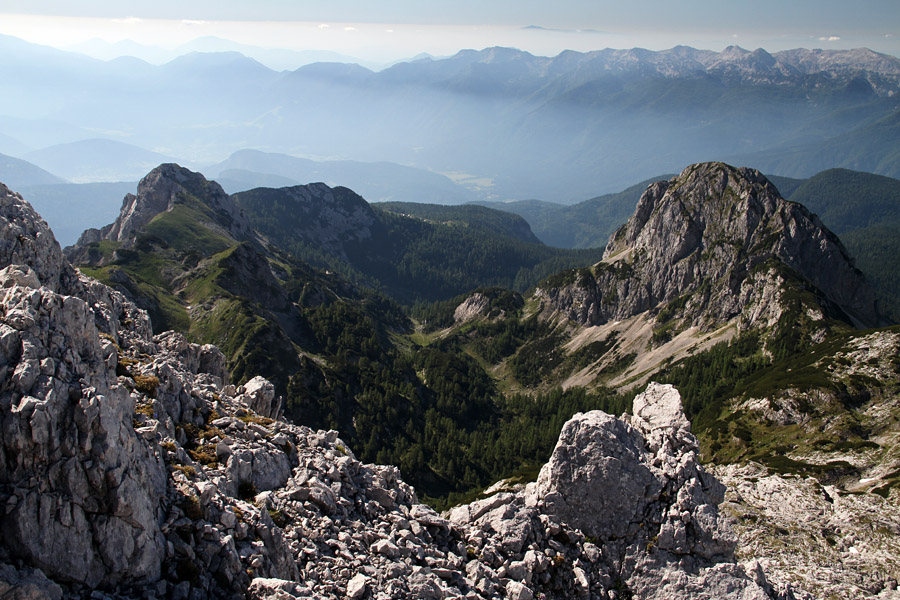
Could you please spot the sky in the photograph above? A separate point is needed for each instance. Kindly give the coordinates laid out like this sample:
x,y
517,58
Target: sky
x,y
388,30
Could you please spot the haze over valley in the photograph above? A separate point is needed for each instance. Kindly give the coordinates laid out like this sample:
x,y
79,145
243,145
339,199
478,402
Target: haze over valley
x,y
496,124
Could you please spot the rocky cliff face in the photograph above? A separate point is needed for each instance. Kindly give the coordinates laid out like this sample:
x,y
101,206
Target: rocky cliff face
x,y
130,465
841,545
715,243
80,489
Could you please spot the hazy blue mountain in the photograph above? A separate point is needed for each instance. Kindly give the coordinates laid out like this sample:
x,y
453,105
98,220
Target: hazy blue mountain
x,y
874,147
239,180
95,160
104,50
40,133
376,182
274,58
509,124
70,208
11,146
17,173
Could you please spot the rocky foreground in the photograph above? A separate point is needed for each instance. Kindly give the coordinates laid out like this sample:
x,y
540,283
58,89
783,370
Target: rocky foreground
x,y
131,468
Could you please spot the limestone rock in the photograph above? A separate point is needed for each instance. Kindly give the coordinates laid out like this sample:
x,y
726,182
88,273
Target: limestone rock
x,y
473,307
26,239
843,545
158,192
598,478
637,491
711,241
260,397
358,586
83,487
517,591
263,588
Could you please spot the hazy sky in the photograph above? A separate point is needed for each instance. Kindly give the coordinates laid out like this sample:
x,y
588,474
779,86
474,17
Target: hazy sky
x,y
392,29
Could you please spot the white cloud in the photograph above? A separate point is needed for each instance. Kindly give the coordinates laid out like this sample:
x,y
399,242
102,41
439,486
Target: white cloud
x,y
190,22
348,28
129,20
324,26
830,38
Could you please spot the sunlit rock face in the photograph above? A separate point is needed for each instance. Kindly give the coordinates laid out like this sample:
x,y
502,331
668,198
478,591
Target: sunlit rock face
x,y
716,240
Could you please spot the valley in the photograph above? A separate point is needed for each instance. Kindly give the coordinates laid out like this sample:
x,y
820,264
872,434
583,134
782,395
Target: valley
x,y
282,268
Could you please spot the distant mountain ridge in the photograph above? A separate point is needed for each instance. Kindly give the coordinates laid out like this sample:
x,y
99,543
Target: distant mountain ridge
x,y
751,66
21,173
504,123
97,160
377,181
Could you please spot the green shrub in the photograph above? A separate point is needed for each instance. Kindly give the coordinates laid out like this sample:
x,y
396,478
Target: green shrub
x,y
191,508
146,384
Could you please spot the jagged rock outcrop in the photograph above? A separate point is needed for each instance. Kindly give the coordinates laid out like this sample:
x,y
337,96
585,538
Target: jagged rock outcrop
x,y
619,506
475,306
26,239
80,489
131,467
715,243
488,303
158,192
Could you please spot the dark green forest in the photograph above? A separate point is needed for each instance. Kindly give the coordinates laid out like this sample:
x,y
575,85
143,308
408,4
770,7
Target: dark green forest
x,y
426,254
433,411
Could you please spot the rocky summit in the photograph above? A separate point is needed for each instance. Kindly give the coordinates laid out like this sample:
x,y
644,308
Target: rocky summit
x,y
131,468
158,192
714,244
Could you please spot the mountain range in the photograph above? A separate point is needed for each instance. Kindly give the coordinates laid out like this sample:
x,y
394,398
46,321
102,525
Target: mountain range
x,y
344,331
504,123
716,284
